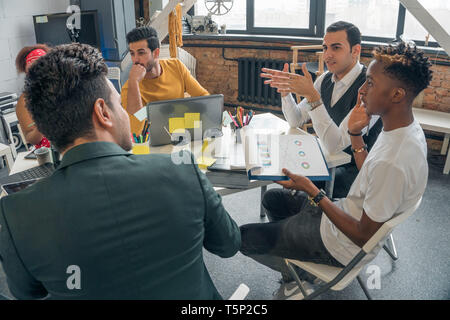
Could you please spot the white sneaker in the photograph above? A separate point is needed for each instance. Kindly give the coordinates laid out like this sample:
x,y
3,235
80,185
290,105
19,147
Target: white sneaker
x,y
291,291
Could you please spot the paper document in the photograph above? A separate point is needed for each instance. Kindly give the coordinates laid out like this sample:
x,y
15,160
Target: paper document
x,y
266,155
141,115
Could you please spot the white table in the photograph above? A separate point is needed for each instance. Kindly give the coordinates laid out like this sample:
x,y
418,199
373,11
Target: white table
x,y
22,164
264,123
436,121
267,122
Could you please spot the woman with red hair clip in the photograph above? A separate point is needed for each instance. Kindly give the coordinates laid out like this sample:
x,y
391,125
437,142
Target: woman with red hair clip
x,y
25,58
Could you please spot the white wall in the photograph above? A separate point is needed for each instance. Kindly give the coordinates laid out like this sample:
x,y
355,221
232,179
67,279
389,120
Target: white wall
x,y
17,31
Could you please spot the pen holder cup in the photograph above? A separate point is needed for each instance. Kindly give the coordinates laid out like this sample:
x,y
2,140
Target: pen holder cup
x,y
237,135
141,148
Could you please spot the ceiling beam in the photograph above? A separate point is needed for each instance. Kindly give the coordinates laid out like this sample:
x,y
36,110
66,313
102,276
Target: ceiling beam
x,y
428,22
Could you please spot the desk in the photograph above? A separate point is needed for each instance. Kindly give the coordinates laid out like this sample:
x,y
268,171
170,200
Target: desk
x,y
436,121
267,123
264,123
22,164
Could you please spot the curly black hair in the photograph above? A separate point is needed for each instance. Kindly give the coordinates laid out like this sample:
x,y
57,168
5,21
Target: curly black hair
x,y
144,33
61,89
407,64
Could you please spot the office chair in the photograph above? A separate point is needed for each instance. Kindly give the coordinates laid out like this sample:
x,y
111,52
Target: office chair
x,y
114,76
338,278
188,60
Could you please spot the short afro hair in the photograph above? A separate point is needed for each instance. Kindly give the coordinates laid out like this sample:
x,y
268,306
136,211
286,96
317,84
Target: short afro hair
x,y
144,33
61,89
407,64
21,61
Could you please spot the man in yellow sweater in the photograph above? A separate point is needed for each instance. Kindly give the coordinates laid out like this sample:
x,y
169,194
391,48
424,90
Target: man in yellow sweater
x,y
152,79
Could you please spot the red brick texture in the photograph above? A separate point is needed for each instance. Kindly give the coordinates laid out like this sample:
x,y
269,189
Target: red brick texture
x,y
219,75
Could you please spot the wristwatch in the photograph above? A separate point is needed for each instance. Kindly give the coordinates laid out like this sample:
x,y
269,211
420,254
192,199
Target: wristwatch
x,y
358,150
315,201
314,104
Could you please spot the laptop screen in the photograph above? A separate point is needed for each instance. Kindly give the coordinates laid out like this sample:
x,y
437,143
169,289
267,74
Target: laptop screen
x,y
172,119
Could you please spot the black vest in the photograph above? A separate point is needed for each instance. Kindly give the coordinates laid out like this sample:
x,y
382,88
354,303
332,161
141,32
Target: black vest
x,y
345,104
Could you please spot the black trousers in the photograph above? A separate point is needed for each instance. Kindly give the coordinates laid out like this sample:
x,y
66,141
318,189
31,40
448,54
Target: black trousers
x,y
293,232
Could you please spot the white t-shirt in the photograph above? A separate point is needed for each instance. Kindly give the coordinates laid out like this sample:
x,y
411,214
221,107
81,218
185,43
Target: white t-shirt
x,y
392,179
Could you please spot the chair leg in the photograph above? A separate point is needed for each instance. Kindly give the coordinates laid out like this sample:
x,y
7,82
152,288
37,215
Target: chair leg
x,y
262,211
297,279
363,286
393,254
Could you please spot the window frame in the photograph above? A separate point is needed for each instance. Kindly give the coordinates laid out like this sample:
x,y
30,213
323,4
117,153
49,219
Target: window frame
x,y
310,31
317,25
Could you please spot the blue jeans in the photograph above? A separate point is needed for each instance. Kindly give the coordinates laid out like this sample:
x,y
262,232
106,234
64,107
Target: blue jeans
x,y
293,232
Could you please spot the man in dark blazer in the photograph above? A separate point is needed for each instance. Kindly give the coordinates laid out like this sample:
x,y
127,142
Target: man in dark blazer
x,y
107,224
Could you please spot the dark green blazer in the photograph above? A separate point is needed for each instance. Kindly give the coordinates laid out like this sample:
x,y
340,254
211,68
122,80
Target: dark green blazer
x,y
134,225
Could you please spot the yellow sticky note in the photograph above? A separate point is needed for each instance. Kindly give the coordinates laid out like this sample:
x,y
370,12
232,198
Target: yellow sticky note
x,y
142,148
192,120
176,123
204,162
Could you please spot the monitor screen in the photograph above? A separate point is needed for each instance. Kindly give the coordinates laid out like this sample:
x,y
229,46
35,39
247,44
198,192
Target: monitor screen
x,y
51,29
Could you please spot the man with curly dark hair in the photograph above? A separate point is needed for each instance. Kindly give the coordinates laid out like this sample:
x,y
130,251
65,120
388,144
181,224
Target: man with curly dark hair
x,y
391,179
107,224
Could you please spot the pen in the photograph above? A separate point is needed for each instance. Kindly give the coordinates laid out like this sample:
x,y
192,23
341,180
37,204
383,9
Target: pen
x,y
232,119
238,115
144,128
205,145
239,121
168,132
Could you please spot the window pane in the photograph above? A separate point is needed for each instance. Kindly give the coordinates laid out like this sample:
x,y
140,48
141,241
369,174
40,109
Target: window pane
x,y
235,19
282,14
374,18
439,9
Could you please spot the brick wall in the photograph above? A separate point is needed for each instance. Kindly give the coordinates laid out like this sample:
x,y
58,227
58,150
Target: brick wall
x,y
219,75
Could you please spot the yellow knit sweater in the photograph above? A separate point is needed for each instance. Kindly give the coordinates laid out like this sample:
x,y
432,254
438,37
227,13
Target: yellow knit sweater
x,y
174,81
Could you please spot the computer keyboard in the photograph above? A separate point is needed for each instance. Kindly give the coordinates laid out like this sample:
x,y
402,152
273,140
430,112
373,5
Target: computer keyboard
x,y
37,172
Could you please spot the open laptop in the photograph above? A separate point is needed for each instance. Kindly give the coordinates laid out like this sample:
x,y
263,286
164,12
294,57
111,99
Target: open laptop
x,y
171,117
22,179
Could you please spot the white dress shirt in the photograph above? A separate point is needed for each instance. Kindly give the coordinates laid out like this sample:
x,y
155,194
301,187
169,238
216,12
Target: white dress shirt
x,y
334,138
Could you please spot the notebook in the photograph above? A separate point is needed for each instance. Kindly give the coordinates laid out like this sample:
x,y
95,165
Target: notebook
x,y
267,154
